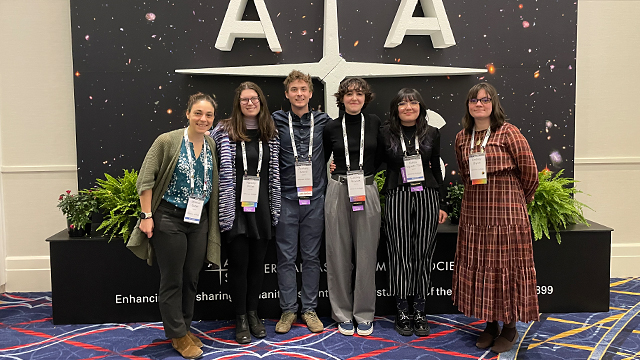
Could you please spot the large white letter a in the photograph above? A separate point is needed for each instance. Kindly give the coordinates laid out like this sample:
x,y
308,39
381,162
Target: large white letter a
x,y
233,26
435,23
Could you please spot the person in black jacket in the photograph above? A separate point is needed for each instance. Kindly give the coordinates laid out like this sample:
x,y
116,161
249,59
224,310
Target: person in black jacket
x,y
413,208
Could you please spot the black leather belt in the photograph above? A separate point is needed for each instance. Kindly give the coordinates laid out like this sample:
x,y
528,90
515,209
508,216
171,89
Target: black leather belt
x,y
368,180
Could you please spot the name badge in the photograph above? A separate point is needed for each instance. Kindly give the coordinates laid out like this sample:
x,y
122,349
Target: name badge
x,y
194,210
249,194
413,169
478,168
356,187
304,179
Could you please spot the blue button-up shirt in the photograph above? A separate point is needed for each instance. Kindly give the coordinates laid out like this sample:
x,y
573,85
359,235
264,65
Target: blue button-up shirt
x,y
301,130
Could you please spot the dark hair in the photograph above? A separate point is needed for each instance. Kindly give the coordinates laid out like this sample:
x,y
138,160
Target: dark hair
x,y
236,126
357,84
197,97
392,125
297,75
498,116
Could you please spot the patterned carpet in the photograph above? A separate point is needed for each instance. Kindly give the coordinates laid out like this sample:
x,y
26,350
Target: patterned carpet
x,y
26,332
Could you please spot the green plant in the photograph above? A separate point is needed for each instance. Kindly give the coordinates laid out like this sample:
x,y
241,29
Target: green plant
x,y
119,197
554,205
380,178
78,208
454,198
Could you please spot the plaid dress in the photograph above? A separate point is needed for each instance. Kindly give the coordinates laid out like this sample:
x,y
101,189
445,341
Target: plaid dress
x,y
495,277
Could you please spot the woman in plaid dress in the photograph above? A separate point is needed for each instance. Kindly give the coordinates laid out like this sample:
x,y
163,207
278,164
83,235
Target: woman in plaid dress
x,y
495,277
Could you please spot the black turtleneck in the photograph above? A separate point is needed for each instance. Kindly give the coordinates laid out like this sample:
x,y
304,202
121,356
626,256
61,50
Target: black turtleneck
x,y
334,143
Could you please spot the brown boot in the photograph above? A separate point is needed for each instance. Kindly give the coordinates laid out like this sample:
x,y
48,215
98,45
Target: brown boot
x,y
506,340
194,339
487,337
185,347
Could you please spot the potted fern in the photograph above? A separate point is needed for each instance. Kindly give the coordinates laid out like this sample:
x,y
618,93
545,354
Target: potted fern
x,y
554,205
454,199
118,197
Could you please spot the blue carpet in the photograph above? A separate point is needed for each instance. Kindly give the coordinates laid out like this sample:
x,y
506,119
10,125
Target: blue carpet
x,y
26,332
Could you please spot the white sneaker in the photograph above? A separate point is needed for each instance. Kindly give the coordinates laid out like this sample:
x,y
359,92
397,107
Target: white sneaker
x,y
365,328
346,328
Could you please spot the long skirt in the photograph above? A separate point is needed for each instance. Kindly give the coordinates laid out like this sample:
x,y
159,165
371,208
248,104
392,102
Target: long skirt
x,y
495,276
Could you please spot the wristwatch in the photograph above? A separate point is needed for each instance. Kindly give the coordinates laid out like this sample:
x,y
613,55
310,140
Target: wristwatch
x,y
144,215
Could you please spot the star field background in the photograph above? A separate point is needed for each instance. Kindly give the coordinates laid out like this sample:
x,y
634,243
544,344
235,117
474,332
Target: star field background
x,y
127,93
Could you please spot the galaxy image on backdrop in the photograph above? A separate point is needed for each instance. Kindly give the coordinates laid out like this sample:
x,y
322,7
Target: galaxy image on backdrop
x,y
127,92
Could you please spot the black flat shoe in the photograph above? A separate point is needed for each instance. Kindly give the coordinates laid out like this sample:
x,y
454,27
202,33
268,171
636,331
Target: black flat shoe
x,y
403,323
243,336
255,325
420,324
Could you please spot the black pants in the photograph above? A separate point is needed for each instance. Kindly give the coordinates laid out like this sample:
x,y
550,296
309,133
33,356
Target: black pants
x,y
246,271
180,249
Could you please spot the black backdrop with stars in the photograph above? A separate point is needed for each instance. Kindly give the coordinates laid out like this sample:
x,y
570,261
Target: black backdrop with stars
x,y
125,53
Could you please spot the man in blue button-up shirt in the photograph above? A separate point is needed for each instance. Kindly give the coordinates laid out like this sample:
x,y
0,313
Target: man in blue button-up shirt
x,y
301,218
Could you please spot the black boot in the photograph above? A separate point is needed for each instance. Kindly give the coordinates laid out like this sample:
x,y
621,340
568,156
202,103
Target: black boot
x,y
403,323
420,324
255,324
243,336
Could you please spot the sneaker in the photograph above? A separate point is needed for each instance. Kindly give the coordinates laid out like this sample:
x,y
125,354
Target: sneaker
x,y
313,323
365,328
346,328
284,324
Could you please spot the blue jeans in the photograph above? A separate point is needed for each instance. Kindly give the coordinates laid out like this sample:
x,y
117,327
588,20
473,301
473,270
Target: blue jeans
x,y
304,223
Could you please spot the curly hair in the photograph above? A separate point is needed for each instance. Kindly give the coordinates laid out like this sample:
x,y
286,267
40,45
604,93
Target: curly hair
x,y
357,84
298,75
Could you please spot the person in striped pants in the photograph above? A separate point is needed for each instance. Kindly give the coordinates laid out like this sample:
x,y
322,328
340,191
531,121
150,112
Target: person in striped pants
x,y
413,208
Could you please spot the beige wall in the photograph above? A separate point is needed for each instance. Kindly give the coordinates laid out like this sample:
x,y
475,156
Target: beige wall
x,y
36,96
607,157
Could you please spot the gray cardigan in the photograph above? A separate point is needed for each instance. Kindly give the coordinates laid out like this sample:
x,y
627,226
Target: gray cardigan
x,y
155,174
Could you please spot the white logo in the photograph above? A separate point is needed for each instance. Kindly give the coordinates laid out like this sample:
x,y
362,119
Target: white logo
x,y
219,270
332,68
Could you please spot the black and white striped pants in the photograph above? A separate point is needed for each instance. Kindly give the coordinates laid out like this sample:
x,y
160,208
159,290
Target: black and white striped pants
x,y
411,223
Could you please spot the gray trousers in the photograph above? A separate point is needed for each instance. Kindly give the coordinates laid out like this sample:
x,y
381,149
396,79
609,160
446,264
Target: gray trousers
x,y
303,225
346,230
180,249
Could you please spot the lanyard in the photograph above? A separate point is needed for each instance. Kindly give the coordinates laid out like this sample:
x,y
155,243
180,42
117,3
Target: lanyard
x,y
484,143
404,147
346,143
293,140
192,171
244,158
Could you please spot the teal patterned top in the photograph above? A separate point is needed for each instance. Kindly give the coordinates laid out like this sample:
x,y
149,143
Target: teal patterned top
x,y
180,187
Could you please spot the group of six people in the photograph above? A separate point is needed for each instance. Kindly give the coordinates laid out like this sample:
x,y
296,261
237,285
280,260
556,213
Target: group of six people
x,y
257,175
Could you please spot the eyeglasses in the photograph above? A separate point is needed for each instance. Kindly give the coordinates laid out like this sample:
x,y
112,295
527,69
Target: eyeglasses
x,y
403,104
254,100
484,100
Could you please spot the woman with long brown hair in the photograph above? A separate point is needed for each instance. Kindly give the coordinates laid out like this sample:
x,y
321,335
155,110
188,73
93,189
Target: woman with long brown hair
x,y
495,277
248,149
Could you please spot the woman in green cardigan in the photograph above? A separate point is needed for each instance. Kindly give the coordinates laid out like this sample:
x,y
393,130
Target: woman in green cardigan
x,y
178,188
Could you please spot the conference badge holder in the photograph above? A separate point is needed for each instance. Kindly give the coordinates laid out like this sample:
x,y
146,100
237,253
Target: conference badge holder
x,y
356,186
304,182
194,210
249,194
412,172
478,168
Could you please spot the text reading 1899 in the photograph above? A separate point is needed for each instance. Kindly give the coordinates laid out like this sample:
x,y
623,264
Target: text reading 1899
x,y
545,290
